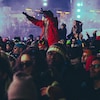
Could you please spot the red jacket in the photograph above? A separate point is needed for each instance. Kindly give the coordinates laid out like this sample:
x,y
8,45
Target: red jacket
x,y
89,62
52,28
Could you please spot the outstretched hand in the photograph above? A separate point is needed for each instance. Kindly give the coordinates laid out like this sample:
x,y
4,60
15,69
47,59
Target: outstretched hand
x,y
24,13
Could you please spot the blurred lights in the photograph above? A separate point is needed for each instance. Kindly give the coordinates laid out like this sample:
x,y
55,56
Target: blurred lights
x,y
61,12
81,4
78,4
28,9
78,16
95,11
92,11
45,4
98,11
78,10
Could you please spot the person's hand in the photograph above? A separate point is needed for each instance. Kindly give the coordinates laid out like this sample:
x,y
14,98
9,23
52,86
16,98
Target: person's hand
x,y
87,33
54,92
44,91
95,32
24,13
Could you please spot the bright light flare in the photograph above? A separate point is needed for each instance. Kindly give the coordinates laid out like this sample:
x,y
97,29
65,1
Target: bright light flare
x,y
78,10
45,4
78,4
78,16
44,0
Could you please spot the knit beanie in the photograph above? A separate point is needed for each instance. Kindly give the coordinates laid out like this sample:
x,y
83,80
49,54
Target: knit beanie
x,y
20,45
22,87
75,52
59,48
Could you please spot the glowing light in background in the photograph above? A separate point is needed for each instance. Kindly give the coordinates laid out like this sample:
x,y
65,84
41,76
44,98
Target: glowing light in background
x,y
84,10
78,10
78,4
78,16
45,4
44,0
81,3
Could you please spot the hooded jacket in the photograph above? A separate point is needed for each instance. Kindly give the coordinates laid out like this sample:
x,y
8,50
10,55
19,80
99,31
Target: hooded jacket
x,y
52,30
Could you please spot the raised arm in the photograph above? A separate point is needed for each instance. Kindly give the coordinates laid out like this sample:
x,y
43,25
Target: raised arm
x,y
35,21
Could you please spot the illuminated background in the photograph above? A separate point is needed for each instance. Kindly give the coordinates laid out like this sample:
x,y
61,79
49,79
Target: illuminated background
x,y
13,22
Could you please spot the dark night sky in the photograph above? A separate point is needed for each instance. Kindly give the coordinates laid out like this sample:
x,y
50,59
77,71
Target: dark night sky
x,y
60,4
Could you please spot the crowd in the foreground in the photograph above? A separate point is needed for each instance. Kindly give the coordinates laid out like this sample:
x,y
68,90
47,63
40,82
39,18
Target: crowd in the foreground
x,y
50,67
67,70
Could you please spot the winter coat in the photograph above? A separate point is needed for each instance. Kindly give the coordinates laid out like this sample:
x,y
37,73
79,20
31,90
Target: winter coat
x,y
52,31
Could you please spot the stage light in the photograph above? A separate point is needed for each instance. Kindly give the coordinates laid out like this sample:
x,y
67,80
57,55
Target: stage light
x,y
78,10
78,16
78,4
45,4
28,9
81,4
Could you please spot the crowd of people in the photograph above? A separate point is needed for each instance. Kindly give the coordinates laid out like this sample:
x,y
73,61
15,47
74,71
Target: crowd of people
x,y
52,66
